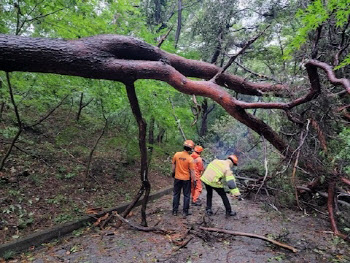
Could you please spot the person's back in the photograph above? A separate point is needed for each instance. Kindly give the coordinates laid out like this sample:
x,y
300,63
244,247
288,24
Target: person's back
x,y
215,172
183,171
182,161
217,175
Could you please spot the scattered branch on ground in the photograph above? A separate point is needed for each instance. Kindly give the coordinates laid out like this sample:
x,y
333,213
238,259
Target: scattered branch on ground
x,y
141,228
250,235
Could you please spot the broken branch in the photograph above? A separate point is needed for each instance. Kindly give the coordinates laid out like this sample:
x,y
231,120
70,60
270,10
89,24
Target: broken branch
x,y
250,235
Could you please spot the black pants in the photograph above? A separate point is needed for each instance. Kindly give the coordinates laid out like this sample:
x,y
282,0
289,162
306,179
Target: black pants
x,y
222,194
186,186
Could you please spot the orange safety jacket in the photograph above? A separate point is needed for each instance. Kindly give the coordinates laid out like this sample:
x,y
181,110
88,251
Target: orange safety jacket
x,y
183,164
198,164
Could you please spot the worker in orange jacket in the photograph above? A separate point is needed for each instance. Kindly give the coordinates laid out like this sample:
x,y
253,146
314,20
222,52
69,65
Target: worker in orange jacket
x,y
196,188
183,171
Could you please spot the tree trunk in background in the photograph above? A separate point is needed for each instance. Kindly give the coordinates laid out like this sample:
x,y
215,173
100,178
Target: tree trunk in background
x,y
179,22
160,135
205,112
157,11
82,105
217,51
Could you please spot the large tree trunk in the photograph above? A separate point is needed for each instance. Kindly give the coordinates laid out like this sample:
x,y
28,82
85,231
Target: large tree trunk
x,y
122,58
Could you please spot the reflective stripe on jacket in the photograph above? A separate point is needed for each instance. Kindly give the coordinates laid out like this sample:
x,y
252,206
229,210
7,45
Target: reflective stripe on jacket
x,y
218,174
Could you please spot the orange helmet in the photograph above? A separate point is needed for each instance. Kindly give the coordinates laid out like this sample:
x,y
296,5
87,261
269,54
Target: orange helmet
x,y
233,158
198,149
189,143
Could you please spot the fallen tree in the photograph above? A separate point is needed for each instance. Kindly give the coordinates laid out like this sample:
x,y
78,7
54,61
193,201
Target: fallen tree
x,y
126,59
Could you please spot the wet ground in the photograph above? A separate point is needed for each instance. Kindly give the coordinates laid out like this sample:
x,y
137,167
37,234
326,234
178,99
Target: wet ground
x,y
307,233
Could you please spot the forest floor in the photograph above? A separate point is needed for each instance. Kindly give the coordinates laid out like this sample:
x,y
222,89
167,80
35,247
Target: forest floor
x,y
306,232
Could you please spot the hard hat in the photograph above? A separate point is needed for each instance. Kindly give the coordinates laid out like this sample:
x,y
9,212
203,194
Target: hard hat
x,y
233,158
189,143
198,149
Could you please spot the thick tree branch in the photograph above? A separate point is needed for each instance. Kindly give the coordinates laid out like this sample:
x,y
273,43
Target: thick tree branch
x,y
250,235
28,54
120,58
330,74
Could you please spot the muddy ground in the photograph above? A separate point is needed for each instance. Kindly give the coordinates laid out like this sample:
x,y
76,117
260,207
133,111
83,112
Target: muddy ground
x,y
308,233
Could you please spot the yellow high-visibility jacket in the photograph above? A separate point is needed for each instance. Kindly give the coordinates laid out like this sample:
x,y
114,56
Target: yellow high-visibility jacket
x,y
218,174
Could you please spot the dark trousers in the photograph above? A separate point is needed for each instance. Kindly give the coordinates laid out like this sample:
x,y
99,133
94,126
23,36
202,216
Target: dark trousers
x,y
222,194
186,186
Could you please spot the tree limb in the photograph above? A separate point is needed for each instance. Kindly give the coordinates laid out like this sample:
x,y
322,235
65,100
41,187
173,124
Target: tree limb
x,y
250,235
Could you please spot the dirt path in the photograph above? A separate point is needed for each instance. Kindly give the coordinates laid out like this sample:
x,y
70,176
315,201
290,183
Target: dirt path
x,y
305,232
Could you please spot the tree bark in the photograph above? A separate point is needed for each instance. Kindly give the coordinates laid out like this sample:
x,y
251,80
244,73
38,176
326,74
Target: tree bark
x,y
130,89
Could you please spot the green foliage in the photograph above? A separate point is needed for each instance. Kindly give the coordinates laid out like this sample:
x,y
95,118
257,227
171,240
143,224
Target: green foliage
x,y
9,132
317,13
57,200
341,149
286,194
64,217
9,255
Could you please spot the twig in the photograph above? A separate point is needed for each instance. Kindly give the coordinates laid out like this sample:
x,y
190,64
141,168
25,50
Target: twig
x,y
141,228
345,180
249,235
232,59
183,244
293,179
266,169
87,172
177,120
165,37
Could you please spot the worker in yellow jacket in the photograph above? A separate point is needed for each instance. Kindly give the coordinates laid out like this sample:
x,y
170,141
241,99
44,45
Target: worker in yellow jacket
x,y
217,175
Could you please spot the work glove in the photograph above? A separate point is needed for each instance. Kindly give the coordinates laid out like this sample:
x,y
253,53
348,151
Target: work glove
x,y
238,197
